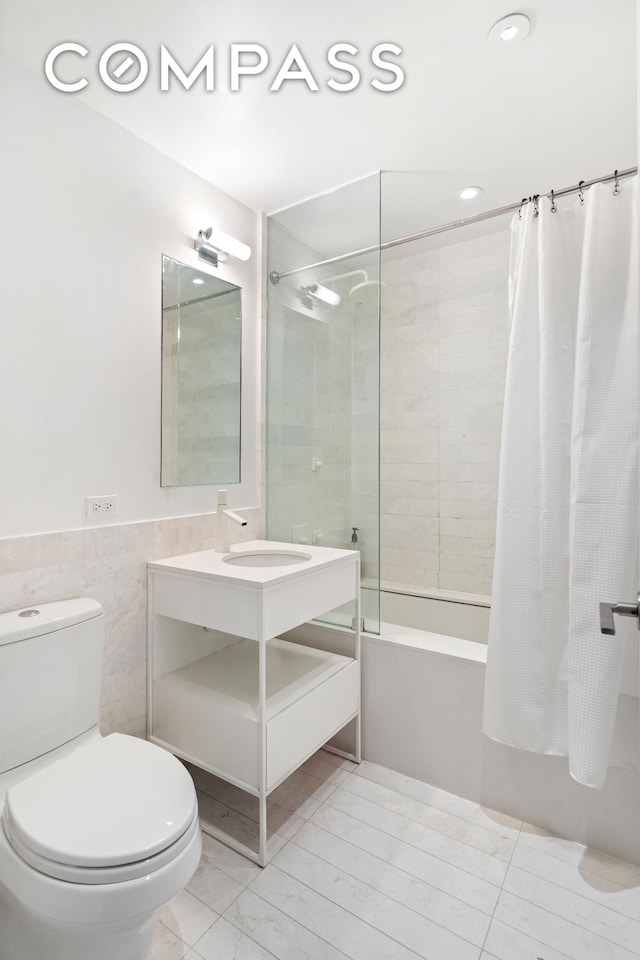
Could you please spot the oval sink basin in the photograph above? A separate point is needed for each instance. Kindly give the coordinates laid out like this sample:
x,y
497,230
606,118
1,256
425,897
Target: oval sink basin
x,y
266,558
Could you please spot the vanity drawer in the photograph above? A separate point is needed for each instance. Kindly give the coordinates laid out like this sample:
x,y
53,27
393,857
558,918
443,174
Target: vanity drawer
x,y
209,708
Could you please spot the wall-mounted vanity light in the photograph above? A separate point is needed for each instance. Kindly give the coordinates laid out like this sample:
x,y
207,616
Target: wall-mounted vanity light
x,y
214,246
324,293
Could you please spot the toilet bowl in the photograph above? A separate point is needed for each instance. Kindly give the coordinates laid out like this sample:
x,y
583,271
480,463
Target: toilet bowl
x,y
97,833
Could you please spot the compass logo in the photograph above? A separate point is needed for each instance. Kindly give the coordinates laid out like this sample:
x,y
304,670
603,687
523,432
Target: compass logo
x,y
124,67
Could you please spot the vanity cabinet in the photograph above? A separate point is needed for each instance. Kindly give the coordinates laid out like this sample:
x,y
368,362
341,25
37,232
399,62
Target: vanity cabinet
x,y
225,692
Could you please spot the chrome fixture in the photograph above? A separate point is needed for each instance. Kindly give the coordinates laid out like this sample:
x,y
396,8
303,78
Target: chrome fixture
x,y
366,291
223,513
324,294
607,610
214,246
275,276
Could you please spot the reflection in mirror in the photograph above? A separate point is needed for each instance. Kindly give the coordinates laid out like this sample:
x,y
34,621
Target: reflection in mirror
x,y
201,362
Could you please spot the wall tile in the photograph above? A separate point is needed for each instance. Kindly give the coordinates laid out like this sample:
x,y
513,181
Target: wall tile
x,y
442,386
108,564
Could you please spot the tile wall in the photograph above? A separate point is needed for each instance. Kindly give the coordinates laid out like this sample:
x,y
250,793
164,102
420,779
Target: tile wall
x,y
109,565
309,406
444,348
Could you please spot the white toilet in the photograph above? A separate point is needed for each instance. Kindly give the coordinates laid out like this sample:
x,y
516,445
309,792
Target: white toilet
x,y
97,832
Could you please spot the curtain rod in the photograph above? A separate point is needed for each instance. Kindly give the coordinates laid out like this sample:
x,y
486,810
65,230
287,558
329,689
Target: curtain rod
x,y
274,276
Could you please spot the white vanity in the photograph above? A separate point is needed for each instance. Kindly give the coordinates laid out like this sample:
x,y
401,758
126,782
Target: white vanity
x,y
224,692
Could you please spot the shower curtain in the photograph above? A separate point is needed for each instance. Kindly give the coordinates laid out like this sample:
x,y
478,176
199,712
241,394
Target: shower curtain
x,y
567,528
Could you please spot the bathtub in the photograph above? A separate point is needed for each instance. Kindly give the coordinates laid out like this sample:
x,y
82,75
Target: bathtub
x,y
422,697
463,616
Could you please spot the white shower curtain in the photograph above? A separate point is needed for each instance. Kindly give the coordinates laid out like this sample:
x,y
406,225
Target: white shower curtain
x,y
567,529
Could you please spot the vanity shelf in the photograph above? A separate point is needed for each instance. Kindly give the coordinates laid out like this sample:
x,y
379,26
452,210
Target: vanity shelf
x,y
226,693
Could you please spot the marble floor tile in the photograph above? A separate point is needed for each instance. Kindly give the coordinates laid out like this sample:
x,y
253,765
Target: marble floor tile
x,y
507,943
585,913
229,861
214,888
317,779
276,932
392,918
368,864
561,933
593,861
335,760
444,876
435,905
448,849
244,829
226,942
488,841
339,927
622,898
435,797
165,945
187,917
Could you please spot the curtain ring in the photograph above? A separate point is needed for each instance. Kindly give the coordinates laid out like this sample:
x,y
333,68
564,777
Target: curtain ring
x,y
616,189
536,204
580,192
522,203
553,202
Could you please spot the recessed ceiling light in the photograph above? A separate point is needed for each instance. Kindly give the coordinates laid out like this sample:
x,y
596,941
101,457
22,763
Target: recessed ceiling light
x,y
469,193
511,29
197,280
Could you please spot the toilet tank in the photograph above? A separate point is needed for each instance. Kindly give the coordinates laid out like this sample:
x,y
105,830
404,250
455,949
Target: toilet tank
x,y
50,674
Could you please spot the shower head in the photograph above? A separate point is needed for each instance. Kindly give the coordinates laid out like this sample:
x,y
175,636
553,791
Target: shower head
x,y
365,292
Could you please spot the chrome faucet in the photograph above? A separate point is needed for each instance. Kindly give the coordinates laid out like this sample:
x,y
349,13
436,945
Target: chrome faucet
x,y
222,514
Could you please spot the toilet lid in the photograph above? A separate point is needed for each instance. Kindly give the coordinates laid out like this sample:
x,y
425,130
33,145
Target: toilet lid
x,y
115,802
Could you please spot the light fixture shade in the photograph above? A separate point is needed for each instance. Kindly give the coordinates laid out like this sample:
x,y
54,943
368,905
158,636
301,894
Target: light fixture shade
x,y
325,294
213,245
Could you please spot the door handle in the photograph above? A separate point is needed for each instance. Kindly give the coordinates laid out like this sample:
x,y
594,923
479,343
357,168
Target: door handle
x,y
607,611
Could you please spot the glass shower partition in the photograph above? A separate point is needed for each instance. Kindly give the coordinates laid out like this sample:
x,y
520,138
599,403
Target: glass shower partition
x,y
323,382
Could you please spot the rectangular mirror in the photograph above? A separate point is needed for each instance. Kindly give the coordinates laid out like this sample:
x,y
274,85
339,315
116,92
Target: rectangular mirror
x,y
201,364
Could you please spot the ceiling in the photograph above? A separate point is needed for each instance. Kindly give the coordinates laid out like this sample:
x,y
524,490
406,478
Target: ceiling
x,y
516,120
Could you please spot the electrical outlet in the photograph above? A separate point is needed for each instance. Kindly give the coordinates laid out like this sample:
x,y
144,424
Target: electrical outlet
x,y
100,506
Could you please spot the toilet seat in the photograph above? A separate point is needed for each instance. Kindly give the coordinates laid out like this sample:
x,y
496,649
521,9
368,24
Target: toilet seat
x,y
117,810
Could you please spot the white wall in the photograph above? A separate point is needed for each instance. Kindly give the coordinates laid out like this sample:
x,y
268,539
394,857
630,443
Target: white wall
x,y
87,211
